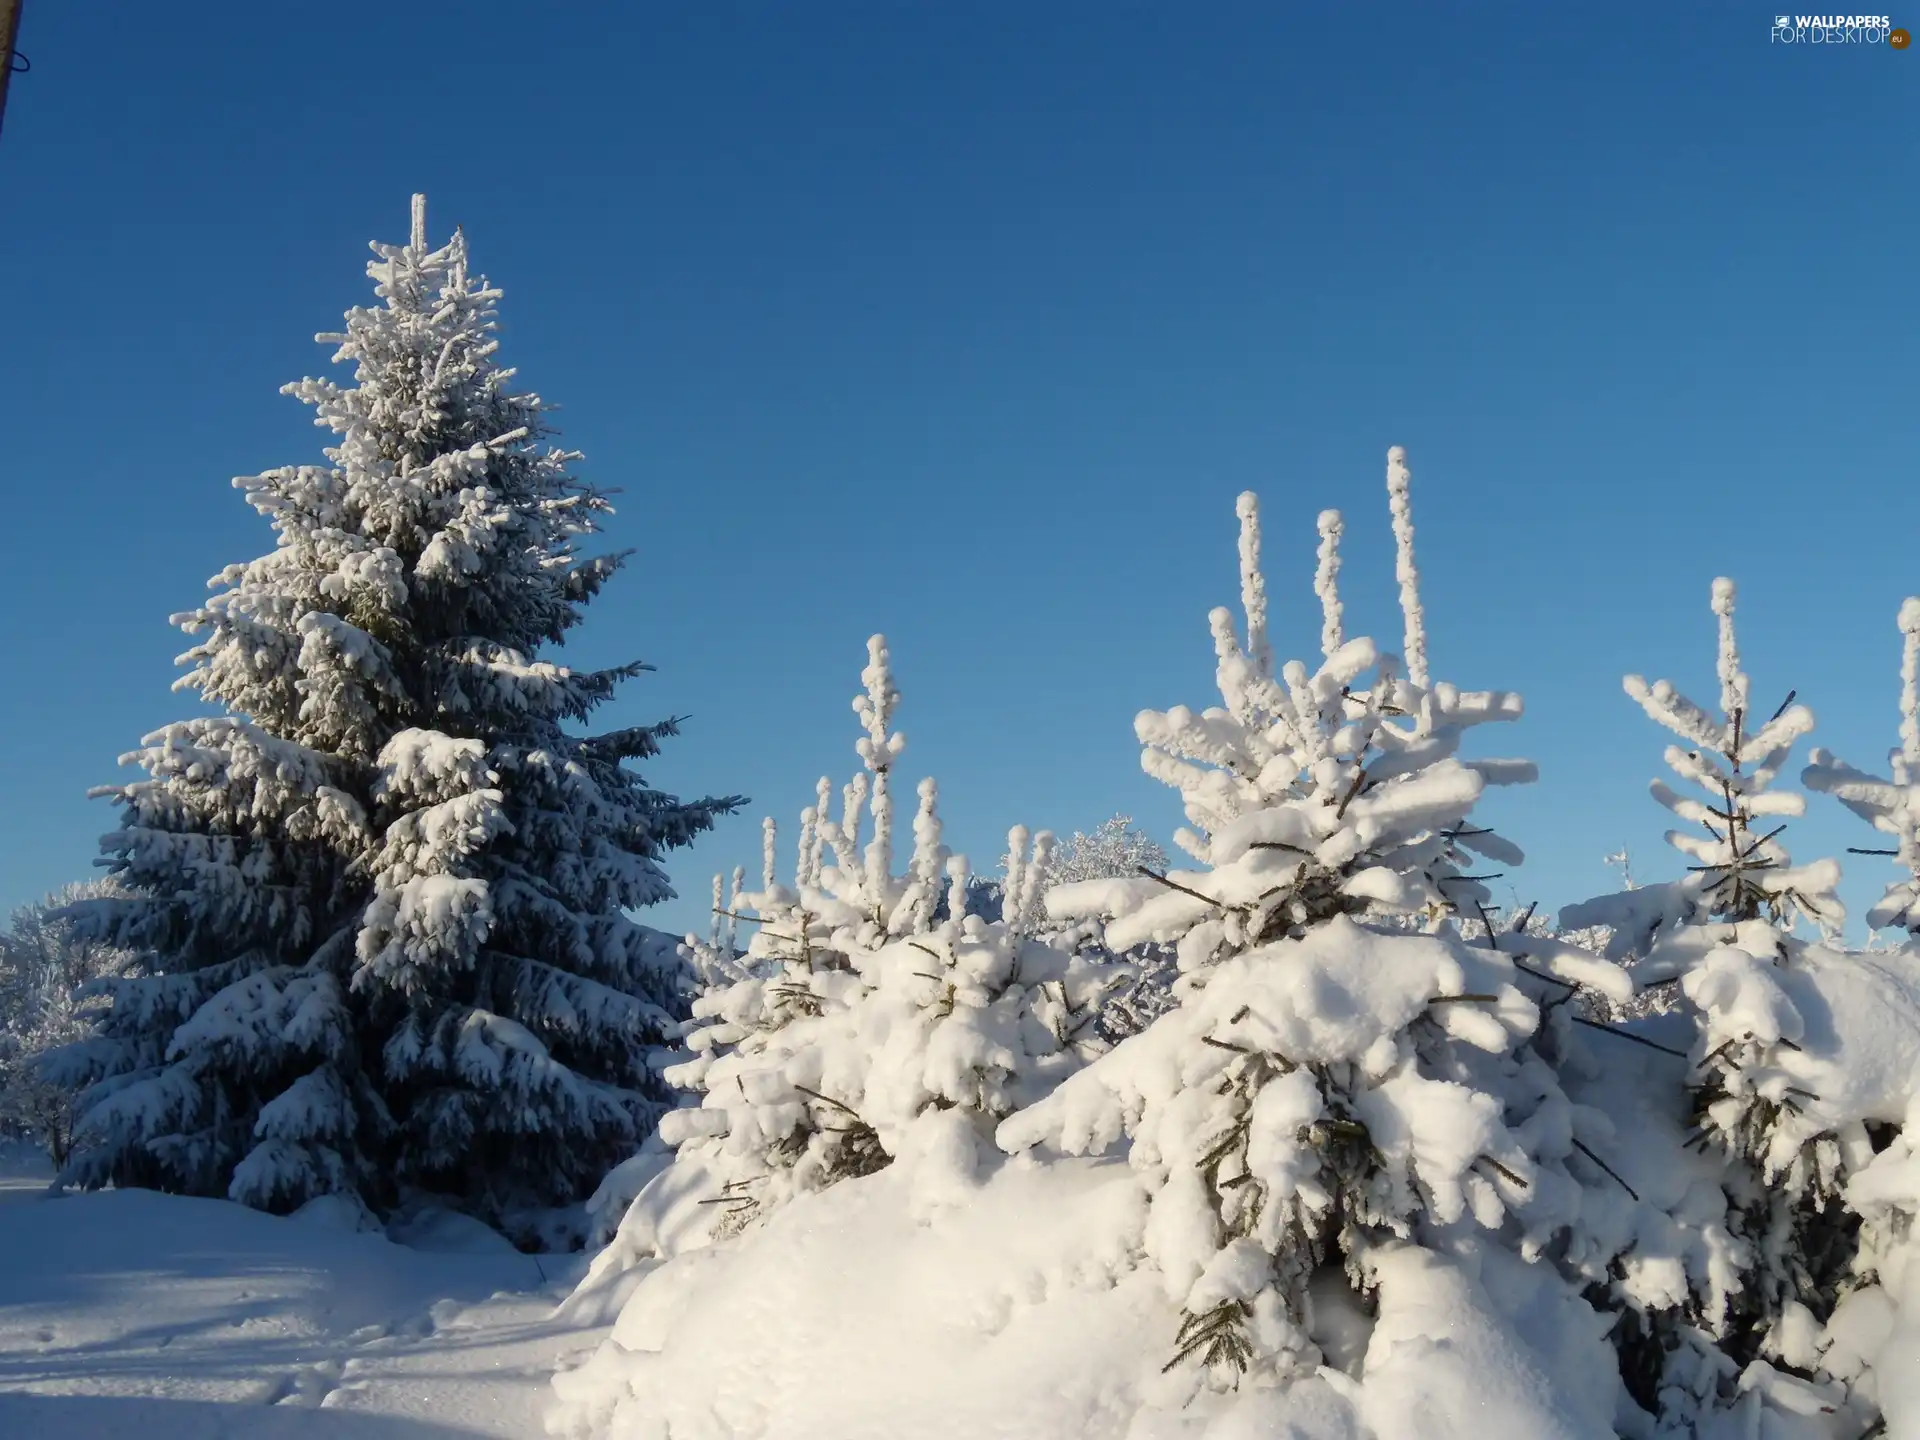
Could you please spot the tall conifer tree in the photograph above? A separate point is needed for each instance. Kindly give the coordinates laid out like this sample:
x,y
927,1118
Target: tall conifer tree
x,y
384,889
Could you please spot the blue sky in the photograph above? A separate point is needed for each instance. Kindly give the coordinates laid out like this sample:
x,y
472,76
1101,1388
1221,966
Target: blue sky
x,y
967,323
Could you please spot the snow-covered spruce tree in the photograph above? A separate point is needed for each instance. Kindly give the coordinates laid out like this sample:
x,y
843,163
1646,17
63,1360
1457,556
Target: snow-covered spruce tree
x,y
1769,1096
1739,872
384,891
872,1012
1330,1095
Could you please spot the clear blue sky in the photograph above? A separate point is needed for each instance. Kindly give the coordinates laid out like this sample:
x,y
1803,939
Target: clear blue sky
x,y
966,323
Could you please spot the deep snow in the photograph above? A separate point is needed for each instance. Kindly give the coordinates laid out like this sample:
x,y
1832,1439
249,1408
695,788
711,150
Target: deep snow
x,y
933,1301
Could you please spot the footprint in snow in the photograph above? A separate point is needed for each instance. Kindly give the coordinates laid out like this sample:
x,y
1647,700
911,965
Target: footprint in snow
x,y
270,1391
310,1385
417,1328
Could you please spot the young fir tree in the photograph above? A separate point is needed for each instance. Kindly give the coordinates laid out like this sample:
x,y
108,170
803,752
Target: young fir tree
x,y
384,890
871,1012
1725,933
1328,1088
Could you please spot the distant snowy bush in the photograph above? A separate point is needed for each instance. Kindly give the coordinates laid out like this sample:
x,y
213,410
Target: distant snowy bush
x,y
1113,848
50,974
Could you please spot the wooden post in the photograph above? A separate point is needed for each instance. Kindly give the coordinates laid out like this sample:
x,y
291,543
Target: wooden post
x,y
9,32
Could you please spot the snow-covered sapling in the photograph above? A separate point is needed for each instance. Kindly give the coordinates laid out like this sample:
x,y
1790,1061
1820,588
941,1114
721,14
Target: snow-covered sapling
x,y
870,1000
1764,1095
1740,872
1328,1086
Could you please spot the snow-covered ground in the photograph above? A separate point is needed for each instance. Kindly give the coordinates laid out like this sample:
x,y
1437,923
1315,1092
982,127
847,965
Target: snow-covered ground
x,y
153,1317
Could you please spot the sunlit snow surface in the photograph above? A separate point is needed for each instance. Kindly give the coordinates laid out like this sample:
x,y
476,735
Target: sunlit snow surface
x,y
1010,1304
153,1317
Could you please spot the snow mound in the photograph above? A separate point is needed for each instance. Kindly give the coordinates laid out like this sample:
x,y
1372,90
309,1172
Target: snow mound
x,y
448,1232
346,1214
1016,1291
952,1297
1501,1352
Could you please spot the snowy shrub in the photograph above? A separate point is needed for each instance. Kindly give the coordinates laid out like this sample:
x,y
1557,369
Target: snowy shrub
x,y
1114,849
866,999
384,889
50,972
1585,1000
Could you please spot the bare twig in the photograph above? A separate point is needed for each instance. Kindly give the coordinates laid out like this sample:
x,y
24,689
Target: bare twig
x,y
1359,780
829,1100
756,920
1606,1167
1541,975
1505,1173
1176,885
1628,1035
